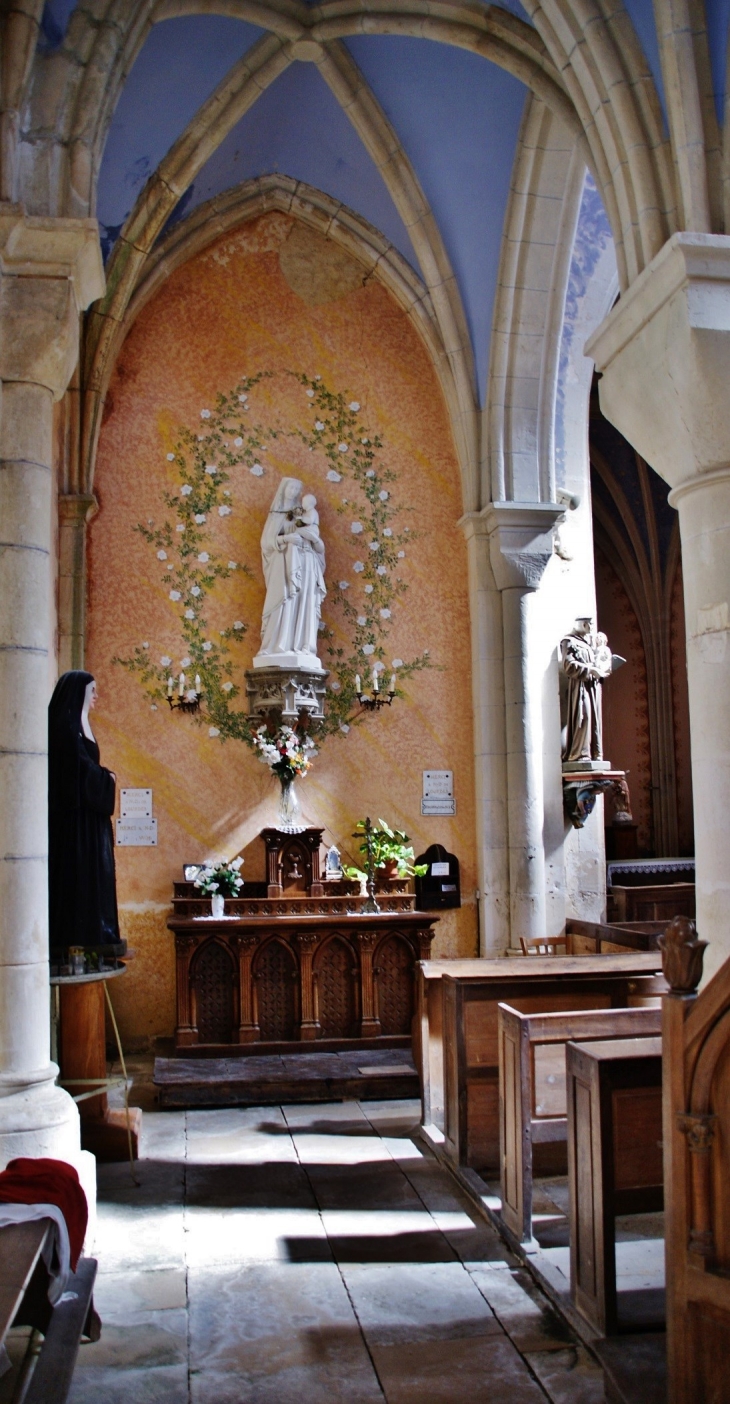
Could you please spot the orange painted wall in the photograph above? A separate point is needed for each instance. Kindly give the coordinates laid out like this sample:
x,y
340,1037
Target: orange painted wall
x,y
272,296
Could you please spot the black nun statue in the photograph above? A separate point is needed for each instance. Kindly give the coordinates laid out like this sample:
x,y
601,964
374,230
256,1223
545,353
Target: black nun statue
x,y
81,878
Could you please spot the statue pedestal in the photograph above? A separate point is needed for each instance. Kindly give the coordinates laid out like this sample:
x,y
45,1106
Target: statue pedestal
x,y
286,691
82,1056
300,662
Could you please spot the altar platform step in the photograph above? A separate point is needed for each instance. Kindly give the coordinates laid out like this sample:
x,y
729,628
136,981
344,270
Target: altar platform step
x,y
362,1073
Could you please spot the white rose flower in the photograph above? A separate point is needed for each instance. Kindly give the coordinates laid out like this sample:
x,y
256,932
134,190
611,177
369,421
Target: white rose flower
x,y
185,490
238,441
211,469
242,399
257,470
238,624
213,731
153,707
344,584
335,686
233,565
343,448
145,645
381,570
384,495
333,476
319,426
374,545
356,528
387,531
162,555
200,518
195,590
226,492
358,566
401,555
378,667
207,646
203,556
227,687
406,528
368,589
368,649
205,414
364,441
362,620
165,661
184,662
174,594
190,614
200,438
345,728
180,527
222,512
397,663
385,614
310,393
354,406
171,458
370,473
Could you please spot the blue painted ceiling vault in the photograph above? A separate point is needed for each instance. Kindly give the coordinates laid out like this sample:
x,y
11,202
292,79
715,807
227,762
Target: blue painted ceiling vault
x,y
456,114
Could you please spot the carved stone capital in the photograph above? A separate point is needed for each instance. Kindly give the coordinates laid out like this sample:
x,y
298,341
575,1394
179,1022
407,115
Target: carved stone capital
x,y
520,539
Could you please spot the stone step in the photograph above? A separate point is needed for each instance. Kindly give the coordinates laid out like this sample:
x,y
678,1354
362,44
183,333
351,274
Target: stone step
x,y
311,1076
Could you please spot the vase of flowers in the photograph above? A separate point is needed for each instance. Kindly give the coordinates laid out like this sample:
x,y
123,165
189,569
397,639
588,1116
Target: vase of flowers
x,y
218,881
288,755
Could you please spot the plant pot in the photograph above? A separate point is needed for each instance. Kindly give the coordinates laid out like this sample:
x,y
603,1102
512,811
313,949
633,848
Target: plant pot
x,y
217,904
387,870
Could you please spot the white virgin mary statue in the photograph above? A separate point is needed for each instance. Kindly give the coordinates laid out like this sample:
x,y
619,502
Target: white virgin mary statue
x,y
292,555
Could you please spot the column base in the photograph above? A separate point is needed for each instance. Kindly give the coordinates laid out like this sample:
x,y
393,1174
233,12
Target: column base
x,y
38,1119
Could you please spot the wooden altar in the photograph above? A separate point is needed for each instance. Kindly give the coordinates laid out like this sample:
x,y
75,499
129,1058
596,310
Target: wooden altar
x,y
304,965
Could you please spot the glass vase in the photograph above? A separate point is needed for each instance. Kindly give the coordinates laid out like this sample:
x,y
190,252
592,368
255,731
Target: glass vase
x,y
289,817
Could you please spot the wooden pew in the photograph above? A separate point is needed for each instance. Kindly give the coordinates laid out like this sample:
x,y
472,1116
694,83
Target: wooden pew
x,y
532,1089
614,1096
585,938
696,1041
534,985
24,1302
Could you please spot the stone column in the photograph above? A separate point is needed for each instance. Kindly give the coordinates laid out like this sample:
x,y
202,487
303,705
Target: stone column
x,y
521,544
74,511
50,269
664,354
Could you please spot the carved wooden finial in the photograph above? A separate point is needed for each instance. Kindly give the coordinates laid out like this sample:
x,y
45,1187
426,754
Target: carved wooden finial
x,y
682,955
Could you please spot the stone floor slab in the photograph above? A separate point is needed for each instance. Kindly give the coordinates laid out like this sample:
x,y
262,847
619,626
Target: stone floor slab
x,y
411,1302
475,1371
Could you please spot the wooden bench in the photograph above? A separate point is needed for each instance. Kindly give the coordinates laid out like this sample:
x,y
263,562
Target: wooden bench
x,y
614,1094
538,985
24,1302
610,938
532,1089
660,902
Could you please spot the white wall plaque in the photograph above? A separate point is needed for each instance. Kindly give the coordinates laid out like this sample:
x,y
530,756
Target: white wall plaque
x,y
136,833
438,792
135,804
440,869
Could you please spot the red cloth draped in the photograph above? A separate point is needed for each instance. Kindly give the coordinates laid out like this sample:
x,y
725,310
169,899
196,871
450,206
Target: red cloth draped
x,y
44,1181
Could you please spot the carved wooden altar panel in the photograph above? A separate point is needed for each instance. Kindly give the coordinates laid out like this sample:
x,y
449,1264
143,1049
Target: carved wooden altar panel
x,y
394,985
213,986
335,974
275,991
298,976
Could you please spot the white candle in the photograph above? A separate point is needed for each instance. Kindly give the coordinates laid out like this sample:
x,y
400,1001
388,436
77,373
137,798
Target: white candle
x,y
392,683
357,684
375,679
169,687
181,688
197,682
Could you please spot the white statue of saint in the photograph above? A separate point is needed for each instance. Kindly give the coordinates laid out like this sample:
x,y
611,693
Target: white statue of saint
x,y
292,555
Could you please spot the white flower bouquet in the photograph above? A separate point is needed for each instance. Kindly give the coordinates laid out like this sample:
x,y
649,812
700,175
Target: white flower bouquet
x,y
223,879
284,751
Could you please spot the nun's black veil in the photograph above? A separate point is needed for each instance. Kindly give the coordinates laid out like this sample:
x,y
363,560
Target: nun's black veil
x,y
81,794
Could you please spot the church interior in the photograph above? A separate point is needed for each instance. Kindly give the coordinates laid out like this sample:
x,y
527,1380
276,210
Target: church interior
x,y
365,681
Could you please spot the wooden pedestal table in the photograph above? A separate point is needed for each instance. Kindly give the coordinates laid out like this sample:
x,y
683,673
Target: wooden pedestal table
x,y
110,1134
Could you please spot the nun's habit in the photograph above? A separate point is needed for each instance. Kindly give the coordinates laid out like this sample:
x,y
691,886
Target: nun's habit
x,y
81,877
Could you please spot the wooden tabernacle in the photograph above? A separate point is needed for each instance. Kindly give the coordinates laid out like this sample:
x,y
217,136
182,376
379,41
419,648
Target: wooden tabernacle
x,y
295,960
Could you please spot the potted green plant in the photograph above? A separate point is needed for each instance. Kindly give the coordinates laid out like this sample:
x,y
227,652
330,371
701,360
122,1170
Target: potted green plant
x,y
392,854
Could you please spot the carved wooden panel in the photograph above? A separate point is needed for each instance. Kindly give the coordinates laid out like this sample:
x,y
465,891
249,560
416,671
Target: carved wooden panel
x,y
394,965
335,972
275,975
212,983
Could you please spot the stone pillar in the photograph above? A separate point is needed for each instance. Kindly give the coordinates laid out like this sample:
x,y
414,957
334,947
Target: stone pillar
x,y
521,544
664,354
74,511
50,269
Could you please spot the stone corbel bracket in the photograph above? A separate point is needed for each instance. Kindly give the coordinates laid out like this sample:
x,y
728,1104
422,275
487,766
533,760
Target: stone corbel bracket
x,y
521,541
292,692
581,790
